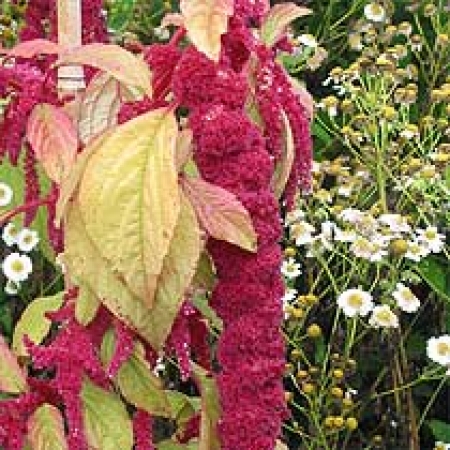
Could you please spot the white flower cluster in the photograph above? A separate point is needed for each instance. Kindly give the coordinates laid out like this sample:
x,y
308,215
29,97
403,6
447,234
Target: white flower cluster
x,y
17,266
357,302
368,237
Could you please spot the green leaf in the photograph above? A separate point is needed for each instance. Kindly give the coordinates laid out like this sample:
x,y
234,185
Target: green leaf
x,y
221,214
86,306
138,384
168,444
440,430
129,199
106,422
12,378
435,271
205,275
13,176
33,322
279,18
209,439
120,14
202,304
46,429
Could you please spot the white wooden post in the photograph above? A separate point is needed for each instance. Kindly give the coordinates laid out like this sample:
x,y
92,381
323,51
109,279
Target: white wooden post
x,y
70,78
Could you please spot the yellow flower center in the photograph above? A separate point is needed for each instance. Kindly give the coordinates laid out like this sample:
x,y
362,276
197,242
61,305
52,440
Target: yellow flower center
x,y
17,266
430,234
355,301
443,348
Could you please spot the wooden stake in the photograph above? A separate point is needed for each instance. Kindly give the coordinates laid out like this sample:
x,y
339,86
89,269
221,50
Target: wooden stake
x,y
70,78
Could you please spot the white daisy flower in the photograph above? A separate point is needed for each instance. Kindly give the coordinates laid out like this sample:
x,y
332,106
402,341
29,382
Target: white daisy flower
x,y
289,295
439,445
12,288
308,40
405,298
17,267
396,223
302,233
432,239
355,302
9,234
27,239
417,250
344,235
375,12
345,190
6,194
290,269
350,215
438,350
373,250
383,317
294,216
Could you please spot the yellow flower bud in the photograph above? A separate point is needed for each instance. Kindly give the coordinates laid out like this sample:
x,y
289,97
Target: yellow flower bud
x,y
314,331
351,423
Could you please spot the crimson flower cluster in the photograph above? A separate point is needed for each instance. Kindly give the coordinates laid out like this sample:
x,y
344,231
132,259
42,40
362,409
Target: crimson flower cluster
x,y
233,152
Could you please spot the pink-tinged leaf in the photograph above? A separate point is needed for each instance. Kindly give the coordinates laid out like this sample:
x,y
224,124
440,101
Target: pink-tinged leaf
x,y
220,213
54,139
30,49
284,165
110,58
280,17
99,107
46,429
172,19
12,378
306,99
205,22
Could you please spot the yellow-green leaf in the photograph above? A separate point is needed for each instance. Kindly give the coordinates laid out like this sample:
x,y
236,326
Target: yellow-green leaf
x,y
209,438
46,429
205,22
54,139
114,60
177,273
129,199
33,323
205,275
184,148
12,378
86,306
221,214
137,383
69,184
86,266
279,17
284,165
106,422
